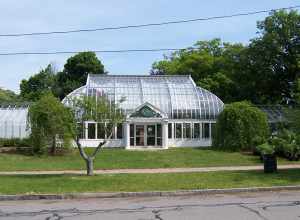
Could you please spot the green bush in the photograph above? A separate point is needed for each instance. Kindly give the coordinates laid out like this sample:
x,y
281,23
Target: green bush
x,y
287,144
265,148
14,142
241,126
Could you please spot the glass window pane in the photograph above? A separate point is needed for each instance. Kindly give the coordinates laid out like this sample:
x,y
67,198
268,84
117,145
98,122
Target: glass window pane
x,y
196,130
159,131
187,130
178,130
91,130
80,131
170,130
132,130
205,130
213,129
101,131
119,131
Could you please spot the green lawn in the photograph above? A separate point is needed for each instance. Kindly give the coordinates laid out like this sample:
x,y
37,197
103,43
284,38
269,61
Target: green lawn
x,y
120,158
144,182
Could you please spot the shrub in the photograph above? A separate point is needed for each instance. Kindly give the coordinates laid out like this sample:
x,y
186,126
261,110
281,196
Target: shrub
x,y
265,148
14,142
241,126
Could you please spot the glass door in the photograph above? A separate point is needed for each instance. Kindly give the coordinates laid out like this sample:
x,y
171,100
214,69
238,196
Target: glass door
x,y
150,135
139,135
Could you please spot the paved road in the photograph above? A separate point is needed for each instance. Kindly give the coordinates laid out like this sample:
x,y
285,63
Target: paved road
x,y
157,170
262,206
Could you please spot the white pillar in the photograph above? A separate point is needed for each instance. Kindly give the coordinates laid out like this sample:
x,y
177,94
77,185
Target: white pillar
x,y
165,134
126,134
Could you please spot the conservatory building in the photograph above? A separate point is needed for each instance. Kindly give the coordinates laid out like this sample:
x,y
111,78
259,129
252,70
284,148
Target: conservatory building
x,y
161,111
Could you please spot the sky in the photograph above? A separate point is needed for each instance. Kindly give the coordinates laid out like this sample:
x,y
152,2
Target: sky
x,y
56,15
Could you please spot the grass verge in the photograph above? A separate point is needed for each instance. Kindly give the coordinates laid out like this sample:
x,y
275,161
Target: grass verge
x,y
144,182
120,158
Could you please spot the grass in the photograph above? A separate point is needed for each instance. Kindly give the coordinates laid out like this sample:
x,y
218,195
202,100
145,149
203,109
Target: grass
x,y
120,158
144,182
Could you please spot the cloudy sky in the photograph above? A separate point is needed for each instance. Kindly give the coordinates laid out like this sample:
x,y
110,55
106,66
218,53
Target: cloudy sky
x,y
56,15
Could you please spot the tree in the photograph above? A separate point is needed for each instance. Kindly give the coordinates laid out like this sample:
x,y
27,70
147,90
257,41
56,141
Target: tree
x,y
75,72
273,58
49,120
213,65
96,108
7,97
240,126
33,88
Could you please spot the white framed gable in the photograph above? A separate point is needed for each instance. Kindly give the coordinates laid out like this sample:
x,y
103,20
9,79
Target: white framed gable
x,y
147,110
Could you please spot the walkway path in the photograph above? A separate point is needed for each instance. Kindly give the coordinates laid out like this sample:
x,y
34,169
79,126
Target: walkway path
x,y
159,170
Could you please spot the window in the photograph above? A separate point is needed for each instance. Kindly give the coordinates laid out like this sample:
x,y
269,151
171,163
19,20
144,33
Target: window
x,y
205,130
91,130
119,131
131,134
158,135
170,130
186,130
101,131
213,130
178,130
80,131
196,130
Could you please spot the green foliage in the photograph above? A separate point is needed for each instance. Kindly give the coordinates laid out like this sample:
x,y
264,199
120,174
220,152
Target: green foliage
x,y
14,142
265,148
287,144
38,84
76,71
49,119
211,66
98,108
240,126
264,72
7,96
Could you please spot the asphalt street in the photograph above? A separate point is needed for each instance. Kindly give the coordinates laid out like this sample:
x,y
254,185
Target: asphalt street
x,y
262,206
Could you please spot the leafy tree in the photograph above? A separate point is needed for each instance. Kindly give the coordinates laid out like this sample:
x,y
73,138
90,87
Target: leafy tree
x,y
273,58
33,88
49,120
240,126
7,96
99,109
76,71
213,65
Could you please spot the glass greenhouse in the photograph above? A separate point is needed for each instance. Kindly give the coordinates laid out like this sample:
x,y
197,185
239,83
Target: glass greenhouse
x,y
161,111
13,122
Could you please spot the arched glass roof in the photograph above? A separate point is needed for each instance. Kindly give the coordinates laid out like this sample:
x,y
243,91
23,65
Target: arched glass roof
x,y
177,96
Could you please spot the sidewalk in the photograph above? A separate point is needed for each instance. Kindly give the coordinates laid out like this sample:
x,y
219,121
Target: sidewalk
x,y
149,171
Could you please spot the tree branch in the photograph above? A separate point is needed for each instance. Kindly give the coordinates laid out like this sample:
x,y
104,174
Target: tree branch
x,y
81,150
100,145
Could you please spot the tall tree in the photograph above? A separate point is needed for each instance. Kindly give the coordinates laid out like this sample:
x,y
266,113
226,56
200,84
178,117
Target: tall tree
x,y
75,72
273,58
8,96
212,65
38,84
50,119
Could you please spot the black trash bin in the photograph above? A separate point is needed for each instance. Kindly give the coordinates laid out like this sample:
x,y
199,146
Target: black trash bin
x,y
270,163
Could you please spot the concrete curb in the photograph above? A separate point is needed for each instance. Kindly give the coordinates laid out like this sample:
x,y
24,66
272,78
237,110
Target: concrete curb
x,y
144,194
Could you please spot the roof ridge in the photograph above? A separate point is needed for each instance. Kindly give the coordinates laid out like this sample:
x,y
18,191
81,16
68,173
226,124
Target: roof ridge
x,y
136,75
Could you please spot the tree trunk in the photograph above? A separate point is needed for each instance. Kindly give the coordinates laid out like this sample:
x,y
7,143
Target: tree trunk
x,y
90,166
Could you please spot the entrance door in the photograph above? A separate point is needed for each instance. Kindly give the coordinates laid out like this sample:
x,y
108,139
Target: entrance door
x,y
139,135
150,135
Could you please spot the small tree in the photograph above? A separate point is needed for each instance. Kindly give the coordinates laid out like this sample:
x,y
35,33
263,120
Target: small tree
x,y
99,109
241,126
49,119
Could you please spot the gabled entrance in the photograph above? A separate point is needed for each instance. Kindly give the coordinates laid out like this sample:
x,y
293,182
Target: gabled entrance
x,y
146,126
